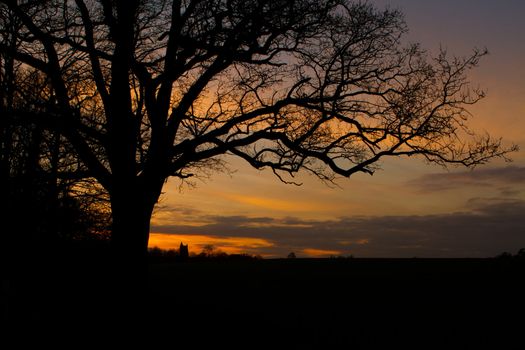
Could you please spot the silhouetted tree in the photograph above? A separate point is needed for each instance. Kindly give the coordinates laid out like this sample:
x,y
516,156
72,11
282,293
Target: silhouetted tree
x,y
210,251
147,89
44,193
44,196
504,256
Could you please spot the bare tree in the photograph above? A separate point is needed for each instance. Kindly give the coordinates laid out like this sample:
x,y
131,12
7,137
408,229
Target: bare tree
x,y
148,89
44,192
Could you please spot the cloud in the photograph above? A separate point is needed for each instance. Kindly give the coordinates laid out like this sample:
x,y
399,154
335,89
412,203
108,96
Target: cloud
x,y
500,177
275,203
490,227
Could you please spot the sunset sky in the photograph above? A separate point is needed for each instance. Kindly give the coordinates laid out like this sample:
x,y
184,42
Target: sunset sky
x,y
408,208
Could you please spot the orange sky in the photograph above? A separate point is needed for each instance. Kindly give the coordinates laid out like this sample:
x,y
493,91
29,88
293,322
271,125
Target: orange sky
x,y
251,211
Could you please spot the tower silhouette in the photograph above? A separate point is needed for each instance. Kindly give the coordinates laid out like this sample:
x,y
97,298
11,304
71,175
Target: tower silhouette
x,y
183,251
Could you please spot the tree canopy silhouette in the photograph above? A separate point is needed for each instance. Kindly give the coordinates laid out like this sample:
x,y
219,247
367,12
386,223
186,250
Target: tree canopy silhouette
x,y
44,195
147,89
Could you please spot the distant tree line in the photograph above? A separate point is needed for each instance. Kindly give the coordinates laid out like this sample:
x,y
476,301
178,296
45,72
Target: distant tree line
x,y
208,252
520,255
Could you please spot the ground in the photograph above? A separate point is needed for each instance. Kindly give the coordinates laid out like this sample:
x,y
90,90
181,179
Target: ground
x,y
289,304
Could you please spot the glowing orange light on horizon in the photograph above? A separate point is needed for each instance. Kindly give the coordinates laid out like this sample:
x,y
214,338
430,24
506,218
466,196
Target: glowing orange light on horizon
x,y
229,245
317,253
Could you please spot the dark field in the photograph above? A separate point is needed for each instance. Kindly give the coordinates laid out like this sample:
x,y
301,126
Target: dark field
x,y
289,304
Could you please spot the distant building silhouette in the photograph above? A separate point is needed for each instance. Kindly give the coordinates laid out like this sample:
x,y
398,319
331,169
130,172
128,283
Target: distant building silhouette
x,y
183,251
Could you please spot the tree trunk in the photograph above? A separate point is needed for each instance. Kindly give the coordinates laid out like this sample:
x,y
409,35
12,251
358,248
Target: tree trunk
x,y
131,212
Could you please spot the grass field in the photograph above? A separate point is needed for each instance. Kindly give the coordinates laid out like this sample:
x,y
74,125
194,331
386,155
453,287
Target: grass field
x,y
289,304
357,303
